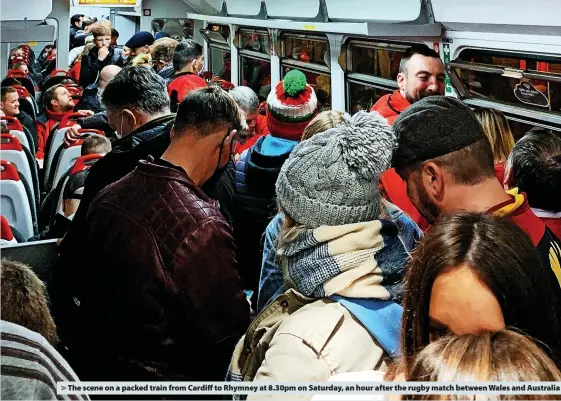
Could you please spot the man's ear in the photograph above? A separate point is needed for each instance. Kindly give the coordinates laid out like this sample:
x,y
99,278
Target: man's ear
x,y
401,78
432,177
129,115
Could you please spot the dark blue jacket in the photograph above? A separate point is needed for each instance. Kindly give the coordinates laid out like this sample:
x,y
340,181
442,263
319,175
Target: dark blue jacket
x,y
255,205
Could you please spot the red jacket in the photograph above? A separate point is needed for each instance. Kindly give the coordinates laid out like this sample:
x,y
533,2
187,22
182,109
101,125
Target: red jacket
x,y
75,70
44,125
261,129
395,189
181,85
162,287
390,106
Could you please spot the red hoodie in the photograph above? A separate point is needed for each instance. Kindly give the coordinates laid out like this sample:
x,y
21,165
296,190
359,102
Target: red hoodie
x,y
44,130
395,189
183,84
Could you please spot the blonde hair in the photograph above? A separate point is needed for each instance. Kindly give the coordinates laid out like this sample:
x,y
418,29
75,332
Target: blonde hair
x,y
142,59
86,50
106,22
100,30
497,130
322,122
500,356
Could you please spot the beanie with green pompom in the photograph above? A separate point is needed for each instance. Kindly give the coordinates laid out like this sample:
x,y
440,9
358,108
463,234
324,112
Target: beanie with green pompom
x,y
292,104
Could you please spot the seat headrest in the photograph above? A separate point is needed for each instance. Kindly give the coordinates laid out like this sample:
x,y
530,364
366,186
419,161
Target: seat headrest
x,y
10,142
84,163
5,230
12,123
22,91
8,171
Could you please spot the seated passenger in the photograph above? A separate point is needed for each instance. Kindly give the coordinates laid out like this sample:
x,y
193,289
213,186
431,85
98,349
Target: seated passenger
x,y
343,265
95,144
91,97
421,74
58,102
496,129
474,273
256,123
258,168
163,243
21,66
447,162
162,56
9,105
31,367
100,56
188,62
534,168
24,300
138,109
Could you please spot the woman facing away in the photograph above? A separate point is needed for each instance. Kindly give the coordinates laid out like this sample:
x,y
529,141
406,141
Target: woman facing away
x,y
502,356
342,263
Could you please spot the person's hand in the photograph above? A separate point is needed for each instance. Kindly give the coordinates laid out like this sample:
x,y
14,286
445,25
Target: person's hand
x,y
88,113
72,134
102,53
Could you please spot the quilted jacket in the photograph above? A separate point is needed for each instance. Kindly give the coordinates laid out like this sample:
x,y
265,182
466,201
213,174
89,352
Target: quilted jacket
x,y
160,299
150,139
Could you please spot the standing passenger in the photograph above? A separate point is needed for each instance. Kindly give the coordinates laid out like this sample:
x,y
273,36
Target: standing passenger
x,y
188,62
161,299
421,74
138,110
291,106
340,260
447,162
496,129
100,56
534,167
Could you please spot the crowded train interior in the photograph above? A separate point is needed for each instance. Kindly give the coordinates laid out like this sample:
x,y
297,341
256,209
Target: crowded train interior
x,y
187,185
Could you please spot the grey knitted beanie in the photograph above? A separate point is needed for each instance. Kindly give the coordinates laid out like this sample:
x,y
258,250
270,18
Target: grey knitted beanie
x,y
332,178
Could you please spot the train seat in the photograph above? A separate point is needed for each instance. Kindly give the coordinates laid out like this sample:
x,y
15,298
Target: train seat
x,y
14,201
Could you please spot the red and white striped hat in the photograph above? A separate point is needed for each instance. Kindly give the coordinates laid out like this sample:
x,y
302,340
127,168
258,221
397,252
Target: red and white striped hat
x,y
291,105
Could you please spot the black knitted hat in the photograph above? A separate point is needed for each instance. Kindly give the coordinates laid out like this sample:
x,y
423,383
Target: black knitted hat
x,y
432,127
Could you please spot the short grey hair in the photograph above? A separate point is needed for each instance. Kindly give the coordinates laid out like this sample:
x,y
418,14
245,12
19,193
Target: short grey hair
x,y
246,98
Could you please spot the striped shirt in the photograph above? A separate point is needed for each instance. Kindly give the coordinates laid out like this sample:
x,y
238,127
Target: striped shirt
x,y
31,367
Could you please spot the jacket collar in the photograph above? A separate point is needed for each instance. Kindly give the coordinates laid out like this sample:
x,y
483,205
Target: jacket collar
x,y
397,103
168,173
53,115
144,132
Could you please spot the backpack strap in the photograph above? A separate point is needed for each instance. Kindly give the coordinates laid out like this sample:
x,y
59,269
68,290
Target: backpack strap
x,y
381,318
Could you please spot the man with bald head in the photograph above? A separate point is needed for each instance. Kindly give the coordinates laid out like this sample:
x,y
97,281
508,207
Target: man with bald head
x,y
90,98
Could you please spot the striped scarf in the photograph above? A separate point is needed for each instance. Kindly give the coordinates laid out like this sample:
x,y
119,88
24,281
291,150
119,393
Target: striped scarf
x,y
360,260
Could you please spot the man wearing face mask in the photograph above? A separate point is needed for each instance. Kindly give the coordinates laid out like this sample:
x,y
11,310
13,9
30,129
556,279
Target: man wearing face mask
x,y
163,242
99,57
137,107
91,97
188,62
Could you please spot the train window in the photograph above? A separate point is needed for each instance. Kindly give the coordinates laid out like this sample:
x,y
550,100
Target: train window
x,y
176,28
220,63
372,69
363,97
526,81
321,83
255,60
309,54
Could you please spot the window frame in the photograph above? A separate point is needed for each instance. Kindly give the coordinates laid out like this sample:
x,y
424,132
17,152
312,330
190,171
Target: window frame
x,y
373,81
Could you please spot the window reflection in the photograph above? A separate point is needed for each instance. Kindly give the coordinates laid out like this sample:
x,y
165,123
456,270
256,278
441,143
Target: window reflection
x,y
306,50
494,86
321,84
257,75
176,28
363,97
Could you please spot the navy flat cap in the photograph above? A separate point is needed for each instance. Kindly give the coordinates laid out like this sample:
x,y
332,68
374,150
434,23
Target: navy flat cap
x,y
140,39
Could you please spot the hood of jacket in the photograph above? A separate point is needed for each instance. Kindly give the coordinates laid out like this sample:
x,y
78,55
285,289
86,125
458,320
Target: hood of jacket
x,y
264,161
